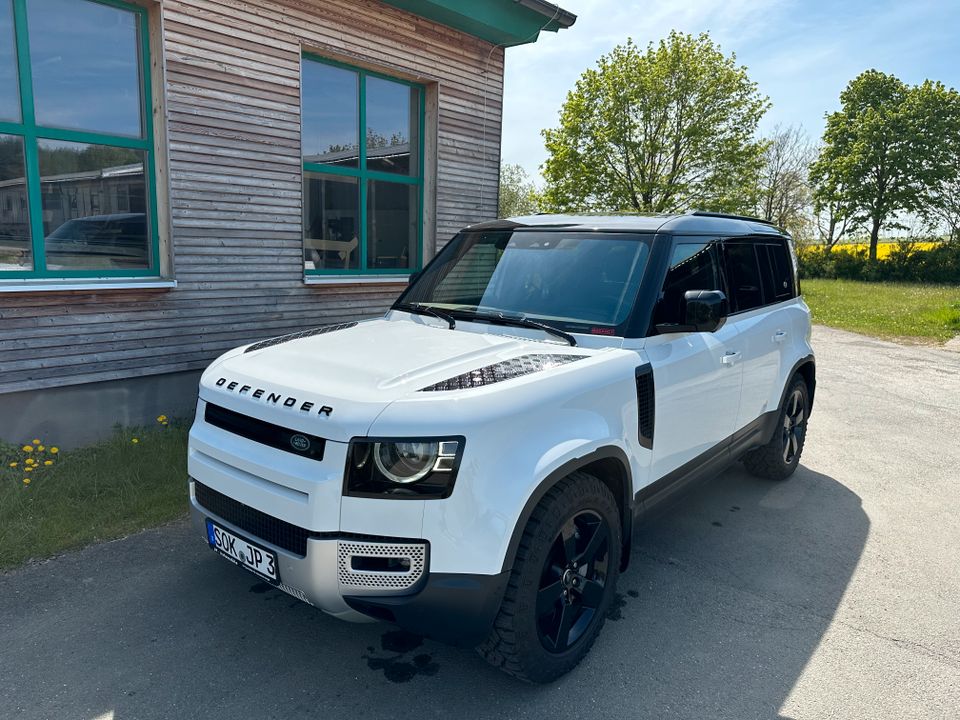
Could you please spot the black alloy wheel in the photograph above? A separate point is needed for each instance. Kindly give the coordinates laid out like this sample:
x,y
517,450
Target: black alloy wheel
x,y
562,584
780,457
572,581
794,419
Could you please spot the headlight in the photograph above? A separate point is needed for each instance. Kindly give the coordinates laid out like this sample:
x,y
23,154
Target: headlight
x,y
403,468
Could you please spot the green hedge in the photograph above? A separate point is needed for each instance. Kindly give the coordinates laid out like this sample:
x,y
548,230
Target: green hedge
x,y
906,263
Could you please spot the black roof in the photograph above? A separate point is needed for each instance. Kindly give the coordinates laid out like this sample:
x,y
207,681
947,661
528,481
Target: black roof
x,y
696,221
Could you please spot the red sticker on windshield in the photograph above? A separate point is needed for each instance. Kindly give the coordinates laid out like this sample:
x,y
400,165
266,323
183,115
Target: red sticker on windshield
x,y
602,331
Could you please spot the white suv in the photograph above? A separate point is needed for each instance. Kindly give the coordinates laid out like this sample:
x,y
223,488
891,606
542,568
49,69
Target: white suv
x,y
470,465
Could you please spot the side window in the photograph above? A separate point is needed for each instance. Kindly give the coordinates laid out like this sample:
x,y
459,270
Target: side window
x,y
743,276
693,266
781,272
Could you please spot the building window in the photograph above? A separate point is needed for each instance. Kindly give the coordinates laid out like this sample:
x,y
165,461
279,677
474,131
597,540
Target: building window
x,y
76,141
362,138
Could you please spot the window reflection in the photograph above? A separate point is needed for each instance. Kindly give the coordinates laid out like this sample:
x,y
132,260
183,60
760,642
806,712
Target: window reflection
x,y
392,221
15,249
393,120
9,96
330,115
85,61
331,222
94,207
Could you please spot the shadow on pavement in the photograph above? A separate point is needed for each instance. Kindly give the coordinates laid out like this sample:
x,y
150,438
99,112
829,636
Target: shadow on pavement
x,y
728,595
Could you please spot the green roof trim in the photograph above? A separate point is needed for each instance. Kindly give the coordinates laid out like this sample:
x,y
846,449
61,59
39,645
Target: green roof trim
x,y
501,22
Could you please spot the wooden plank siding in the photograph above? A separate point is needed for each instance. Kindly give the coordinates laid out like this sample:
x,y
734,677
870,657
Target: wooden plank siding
x,y
232,127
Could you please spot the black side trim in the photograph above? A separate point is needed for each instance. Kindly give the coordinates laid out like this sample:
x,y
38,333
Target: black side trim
x,y
297,335
281,438
646,405
452,607
505,370
706,465
260,525
605,453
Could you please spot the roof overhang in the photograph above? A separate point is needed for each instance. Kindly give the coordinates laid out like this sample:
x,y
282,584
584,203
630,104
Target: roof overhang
x,y
501,22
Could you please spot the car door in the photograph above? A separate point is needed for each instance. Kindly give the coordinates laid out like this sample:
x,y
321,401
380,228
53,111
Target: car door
x,y
760,280
697,375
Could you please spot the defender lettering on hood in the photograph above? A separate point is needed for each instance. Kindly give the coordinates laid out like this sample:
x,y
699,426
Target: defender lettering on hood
x,y
272,397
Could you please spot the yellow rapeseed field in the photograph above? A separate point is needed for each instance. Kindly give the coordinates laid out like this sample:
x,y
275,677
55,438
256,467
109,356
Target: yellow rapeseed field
x,y
883,249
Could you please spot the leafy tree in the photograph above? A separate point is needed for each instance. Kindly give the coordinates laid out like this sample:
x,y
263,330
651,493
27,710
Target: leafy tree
x,y
11,158
885,151
663,130
518,194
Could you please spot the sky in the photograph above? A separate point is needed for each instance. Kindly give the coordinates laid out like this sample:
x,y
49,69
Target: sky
x,y
802,53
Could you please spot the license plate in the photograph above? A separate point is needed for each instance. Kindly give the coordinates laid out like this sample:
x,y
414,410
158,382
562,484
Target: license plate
x,y
243,552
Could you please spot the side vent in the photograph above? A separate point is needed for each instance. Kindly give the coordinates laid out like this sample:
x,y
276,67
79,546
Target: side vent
x,y
646,406
297,335
504,370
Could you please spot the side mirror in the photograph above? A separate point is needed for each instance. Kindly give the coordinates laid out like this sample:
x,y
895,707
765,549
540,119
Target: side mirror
x,y
705,310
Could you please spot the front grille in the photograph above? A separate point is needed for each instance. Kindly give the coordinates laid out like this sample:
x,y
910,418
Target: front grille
x,y
360,582
260,525
291,441
646,405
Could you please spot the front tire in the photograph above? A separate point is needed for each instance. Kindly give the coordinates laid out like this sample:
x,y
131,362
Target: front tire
x,y
779,458
562,583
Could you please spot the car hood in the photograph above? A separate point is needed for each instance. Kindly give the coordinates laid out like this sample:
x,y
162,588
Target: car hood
x,y
336,383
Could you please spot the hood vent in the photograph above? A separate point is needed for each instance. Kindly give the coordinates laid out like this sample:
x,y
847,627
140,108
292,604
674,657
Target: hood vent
x,y
297,335
505,370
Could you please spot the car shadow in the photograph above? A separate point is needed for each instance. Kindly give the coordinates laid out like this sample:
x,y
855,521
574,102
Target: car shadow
x,y
727,596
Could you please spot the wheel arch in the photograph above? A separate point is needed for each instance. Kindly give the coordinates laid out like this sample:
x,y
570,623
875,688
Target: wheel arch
x,y
806,367
610,465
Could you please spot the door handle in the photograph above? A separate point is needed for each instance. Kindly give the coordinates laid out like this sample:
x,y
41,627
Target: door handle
x,y
730,358
779,336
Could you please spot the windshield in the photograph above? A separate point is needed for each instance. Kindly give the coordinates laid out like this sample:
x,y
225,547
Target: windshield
x,y
576,281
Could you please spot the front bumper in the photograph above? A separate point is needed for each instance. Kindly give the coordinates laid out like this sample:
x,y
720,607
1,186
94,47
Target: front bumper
x,y
452,607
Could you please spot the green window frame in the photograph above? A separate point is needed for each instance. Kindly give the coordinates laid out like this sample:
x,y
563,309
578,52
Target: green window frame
x,y
31,132
364,176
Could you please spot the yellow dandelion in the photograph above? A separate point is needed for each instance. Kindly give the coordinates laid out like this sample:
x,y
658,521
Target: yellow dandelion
x,y
40,448
30,461
161,418
26,481
29,468
14,464
27,448
54,450
48,462
36,441
135,441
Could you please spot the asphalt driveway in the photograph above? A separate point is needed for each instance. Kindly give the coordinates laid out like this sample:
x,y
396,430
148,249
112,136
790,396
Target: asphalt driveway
x,y
834,595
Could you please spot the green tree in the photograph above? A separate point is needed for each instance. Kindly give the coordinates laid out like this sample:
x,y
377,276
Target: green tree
x,y
518,194
886,151
663,130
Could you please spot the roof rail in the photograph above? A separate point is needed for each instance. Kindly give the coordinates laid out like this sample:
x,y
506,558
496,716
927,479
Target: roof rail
x,y
730,216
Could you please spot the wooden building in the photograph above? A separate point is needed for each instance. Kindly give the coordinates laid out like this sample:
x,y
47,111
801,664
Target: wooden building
x,y
178,177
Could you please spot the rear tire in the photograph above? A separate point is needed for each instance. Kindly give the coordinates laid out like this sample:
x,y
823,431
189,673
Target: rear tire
x,y
779,458
562,583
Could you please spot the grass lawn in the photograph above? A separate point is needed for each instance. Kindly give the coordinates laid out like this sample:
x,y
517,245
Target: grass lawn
x,y
897,311
91,494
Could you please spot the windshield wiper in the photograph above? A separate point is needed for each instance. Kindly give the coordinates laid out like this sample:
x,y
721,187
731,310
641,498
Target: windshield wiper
x,y
500,318
421,309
